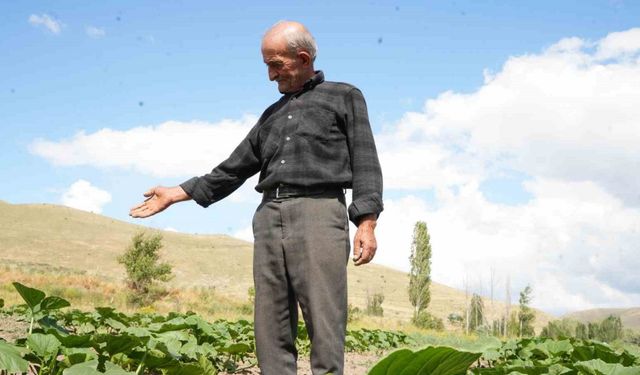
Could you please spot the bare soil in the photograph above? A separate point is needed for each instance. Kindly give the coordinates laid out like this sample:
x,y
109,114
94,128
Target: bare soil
x,y
12,328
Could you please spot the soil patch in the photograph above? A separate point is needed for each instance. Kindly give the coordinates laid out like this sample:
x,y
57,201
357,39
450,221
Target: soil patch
x,y
12,328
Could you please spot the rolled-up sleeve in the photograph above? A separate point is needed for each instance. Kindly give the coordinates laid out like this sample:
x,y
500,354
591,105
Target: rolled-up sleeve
x,y
365,166
228,176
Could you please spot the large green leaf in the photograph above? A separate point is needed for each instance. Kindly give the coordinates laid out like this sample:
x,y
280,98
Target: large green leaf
x,y
54,303
91,368
382,367
44,346
552,348
30,295
423,358
558,369
596,350
430,361
600,367
74,356
10,359
119,344
75,341
207,367
239,348
456,362
188,369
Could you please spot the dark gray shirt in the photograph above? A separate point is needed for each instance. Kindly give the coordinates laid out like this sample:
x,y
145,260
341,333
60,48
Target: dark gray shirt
x,y
318,136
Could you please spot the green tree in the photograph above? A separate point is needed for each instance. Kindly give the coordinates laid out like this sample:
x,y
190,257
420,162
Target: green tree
x,y
559,329
526,315
593,330
142,263
420,274
476,312
513,326
581,331
610,329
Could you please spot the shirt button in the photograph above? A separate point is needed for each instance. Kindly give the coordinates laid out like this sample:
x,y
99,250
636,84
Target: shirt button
x,y
289,117
282,161
288,138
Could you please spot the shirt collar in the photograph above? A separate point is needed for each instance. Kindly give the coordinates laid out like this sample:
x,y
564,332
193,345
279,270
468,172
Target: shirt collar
x,y
312,82
317,79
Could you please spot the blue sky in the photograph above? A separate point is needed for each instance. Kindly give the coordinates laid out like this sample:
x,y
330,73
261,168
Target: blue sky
x,y
479,110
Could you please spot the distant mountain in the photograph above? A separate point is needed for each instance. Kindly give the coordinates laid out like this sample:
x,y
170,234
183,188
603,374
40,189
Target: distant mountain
x,y
630,316
58,236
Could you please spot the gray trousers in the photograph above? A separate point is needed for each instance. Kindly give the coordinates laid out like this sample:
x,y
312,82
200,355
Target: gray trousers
x,y
301,251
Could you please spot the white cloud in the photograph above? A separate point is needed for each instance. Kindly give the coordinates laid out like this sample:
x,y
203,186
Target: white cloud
x,y
245,234
619,44
564,114
45,20
84,196
95,32
171,149
170,229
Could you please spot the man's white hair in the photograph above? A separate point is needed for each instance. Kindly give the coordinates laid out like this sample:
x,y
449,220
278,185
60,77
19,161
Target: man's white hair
x,y
297,39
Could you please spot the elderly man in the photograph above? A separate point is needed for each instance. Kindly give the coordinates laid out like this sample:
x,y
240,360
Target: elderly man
x,y
309,146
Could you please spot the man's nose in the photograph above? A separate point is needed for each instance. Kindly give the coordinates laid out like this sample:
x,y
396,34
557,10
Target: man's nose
x,y
273,74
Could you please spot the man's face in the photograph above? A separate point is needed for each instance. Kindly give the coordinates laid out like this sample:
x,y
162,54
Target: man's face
x,y
283,68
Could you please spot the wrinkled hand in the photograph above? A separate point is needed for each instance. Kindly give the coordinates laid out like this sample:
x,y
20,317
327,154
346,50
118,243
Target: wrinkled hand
x,y
158,199
364,243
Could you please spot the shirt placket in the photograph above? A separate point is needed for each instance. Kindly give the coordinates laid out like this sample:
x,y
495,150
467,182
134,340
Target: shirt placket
x,y
291,122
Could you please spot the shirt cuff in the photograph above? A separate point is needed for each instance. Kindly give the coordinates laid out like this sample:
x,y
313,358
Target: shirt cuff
x,y
365,206
190,187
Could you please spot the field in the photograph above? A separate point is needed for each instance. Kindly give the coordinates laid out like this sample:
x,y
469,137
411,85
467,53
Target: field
x,y
53,240
201,324
77,342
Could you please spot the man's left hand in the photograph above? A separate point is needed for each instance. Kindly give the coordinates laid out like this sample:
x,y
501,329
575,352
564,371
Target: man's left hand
x,y
364,243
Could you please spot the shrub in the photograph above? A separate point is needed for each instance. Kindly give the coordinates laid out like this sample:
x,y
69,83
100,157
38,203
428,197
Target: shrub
x,y
353,313
374,305
142,263
428,321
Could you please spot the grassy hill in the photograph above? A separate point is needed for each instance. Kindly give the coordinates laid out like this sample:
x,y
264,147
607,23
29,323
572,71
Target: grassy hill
x,y
37,235
630,316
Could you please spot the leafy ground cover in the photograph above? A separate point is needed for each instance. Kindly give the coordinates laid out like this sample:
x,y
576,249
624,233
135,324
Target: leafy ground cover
x,y
46,340
108,341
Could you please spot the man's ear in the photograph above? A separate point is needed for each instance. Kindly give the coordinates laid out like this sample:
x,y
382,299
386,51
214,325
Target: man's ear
x,y
305,57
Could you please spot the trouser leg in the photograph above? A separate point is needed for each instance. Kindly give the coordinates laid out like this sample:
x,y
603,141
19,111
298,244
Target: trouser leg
x,y
316,248
276,313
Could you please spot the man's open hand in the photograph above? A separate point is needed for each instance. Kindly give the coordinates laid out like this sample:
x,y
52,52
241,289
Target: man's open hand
x,y
364,243
158,199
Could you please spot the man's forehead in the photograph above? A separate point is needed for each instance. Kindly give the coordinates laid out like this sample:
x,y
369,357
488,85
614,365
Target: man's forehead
x,y
274,54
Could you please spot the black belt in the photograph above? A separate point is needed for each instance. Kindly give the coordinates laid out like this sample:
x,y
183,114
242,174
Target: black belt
x,y
293,191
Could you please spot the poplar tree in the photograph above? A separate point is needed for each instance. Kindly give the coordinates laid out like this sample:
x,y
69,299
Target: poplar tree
x,y
476,313
526,315
420,275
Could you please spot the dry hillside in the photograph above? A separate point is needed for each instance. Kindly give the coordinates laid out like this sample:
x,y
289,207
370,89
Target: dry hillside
x,y
65,237
630,316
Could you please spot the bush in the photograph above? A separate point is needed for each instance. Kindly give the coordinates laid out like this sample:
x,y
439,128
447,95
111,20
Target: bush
x,y
374,305
455,319
353,313
428,321
141,261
